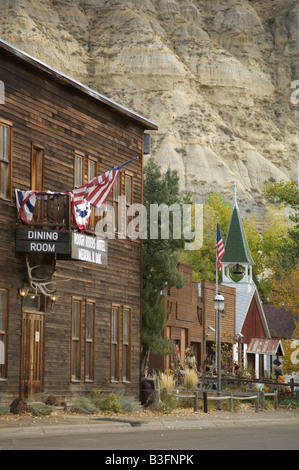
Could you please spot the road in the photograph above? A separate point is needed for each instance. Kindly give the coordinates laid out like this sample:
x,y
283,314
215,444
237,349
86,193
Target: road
x,y
283,436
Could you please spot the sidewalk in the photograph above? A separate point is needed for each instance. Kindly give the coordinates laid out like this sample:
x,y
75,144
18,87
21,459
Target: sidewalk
x,y
66,423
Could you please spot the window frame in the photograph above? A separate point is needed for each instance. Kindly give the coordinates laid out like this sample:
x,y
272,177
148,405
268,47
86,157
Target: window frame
x,y
116,202
94,161
127,346
81,156
35,151
4,333
8,183
129,201
76,340
115,345
89,359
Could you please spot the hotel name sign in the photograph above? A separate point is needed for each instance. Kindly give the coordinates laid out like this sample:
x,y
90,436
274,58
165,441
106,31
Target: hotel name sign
x,y
66,244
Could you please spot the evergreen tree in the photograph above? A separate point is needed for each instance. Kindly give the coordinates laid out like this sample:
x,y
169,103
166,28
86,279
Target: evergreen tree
x,y
159,260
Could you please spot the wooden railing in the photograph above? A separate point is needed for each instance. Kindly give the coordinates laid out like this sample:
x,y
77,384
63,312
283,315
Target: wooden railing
x,y
54,211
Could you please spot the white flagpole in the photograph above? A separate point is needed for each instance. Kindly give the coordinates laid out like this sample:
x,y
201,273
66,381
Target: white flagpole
x,y
216,261
216,316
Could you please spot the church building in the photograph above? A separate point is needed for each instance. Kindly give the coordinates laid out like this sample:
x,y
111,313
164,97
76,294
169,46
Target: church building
x,y
255,350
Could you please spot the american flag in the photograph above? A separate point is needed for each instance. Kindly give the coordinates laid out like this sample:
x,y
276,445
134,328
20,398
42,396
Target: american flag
x,y
219,248
98,189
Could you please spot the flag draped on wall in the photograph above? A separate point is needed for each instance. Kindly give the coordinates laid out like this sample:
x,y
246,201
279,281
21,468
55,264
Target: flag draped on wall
x,y
94,192
98,189
219,248
25,204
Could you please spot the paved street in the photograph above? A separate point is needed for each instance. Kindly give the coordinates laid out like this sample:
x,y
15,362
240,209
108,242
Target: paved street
x,y
242,437
223,431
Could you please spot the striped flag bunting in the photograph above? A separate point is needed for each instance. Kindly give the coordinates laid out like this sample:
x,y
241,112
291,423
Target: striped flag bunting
x,y
95,192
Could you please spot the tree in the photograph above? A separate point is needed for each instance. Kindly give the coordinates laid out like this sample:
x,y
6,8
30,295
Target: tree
x,y
204,260
285,289
287,193
159,260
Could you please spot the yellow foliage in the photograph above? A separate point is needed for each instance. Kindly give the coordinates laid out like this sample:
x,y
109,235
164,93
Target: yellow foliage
x,y
285,290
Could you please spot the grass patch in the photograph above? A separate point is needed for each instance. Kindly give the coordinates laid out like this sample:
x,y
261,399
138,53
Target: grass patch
x,y
289,403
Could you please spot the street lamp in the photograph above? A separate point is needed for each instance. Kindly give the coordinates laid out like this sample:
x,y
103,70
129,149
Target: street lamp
x,y
219,307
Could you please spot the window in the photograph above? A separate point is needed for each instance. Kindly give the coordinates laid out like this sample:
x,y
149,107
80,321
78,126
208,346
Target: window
x,y
115,351
37,168
129,190
79,170
92,169
5,159
83,359
116,202
76,339
127,344
122,200
121,343
85,168
129,197
3,334
92,172
89,340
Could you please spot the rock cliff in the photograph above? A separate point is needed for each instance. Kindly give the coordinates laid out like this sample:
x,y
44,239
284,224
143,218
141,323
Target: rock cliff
x,y
214,75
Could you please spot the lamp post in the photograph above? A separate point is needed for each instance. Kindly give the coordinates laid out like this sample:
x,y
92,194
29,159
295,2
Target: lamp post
x,y
219,307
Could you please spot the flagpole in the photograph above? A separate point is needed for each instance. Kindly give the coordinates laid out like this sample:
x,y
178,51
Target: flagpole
x,y
216,317
216,261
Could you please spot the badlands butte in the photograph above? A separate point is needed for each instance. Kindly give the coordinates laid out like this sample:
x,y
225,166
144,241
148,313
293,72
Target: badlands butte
x,y
216,76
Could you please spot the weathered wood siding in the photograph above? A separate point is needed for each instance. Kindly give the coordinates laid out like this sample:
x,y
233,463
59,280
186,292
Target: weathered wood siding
x,y
45,111
252,327
228,319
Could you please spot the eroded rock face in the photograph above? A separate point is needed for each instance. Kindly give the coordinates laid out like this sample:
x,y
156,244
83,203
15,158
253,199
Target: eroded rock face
x,y
215,76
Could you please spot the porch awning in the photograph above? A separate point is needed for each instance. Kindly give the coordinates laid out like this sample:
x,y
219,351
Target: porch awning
x,y
271,346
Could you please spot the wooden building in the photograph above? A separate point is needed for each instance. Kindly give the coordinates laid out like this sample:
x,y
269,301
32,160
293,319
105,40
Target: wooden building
x,y
57,134
228,320
190,320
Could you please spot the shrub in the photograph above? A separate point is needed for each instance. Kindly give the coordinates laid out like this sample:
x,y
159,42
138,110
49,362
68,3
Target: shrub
x,y
166,404
84,405
190,379
167,381
290,403
3,408
41,409
109,403
127,403
114,402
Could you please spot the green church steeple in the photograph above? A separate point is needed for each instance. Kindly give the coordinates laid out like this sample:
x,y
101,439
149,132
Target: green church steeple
x,y
236,246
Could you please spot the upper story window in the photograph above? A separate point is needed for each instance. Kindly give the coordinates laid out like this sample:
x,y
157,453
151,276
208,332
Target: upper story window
x,y
78,169
92,168
85,168
37,168
5,158
122,200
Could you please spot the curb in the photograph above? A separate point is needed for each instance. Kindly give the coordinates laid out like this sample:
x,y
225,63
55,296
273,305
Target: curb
x,y
12,433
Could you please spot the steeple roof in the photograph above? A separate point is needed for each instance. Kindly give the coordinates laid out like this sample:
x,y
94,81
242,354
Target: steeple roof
x,y
236,246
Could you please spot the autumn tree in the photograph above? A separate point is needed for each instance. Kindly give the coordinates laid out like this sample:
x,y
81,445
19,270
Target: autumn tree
x,y
203,260
286,193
